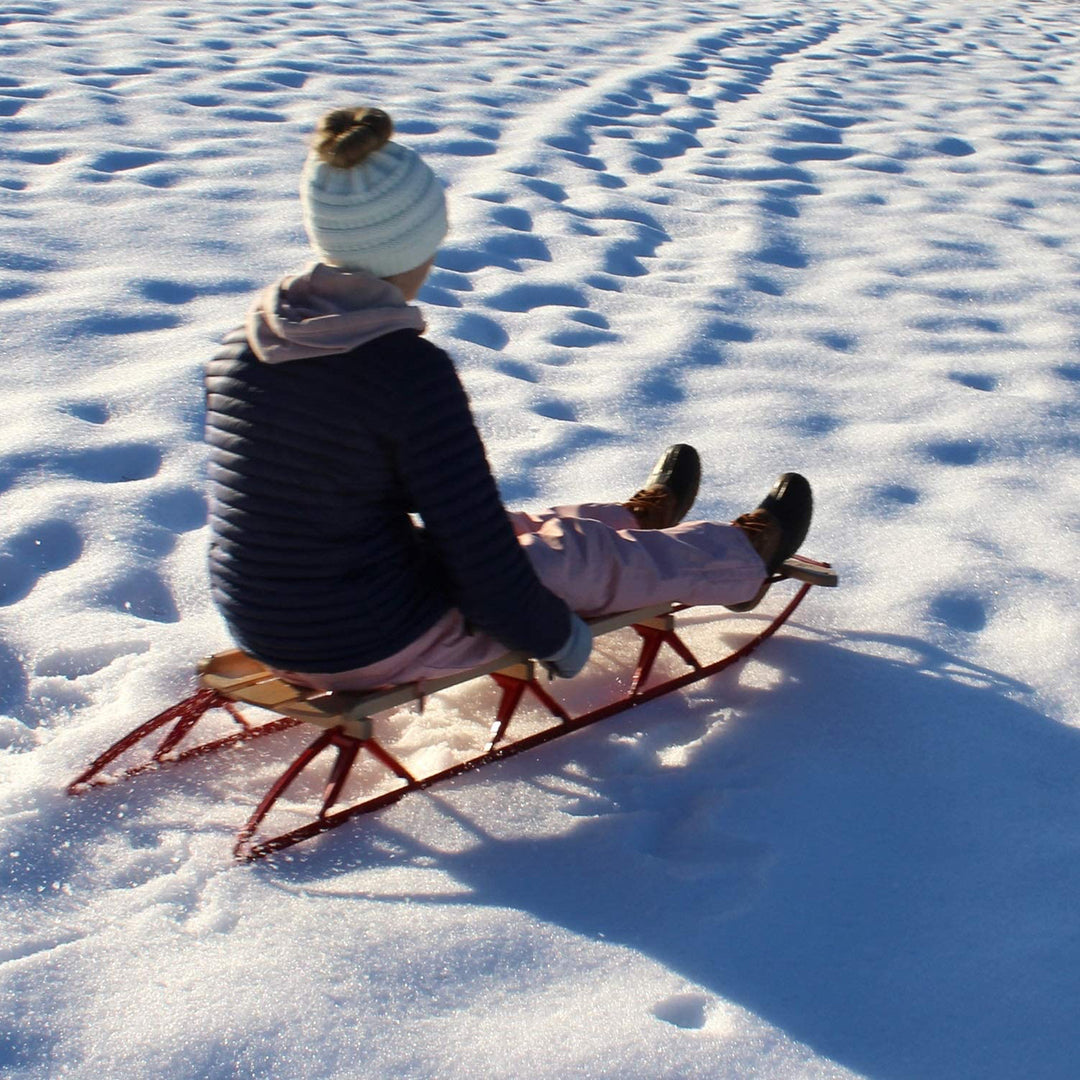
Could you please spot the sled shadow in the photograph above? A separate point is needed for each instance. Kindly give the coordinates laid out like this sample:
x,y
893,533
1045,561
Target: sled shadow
x,y
877,855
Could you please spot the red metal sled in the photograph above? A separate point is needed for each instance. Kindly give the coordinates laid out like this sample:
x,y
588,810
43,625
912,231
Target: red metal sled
x,y
231,679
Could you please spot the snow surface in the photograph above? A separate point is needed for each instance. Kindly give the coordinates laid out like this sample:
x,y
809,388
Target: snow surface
x,y
842,238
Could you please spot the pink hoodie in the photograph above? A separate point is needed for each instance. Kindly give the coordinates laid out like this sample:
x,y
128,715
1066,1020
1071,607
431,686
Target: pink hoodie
x,y
325,310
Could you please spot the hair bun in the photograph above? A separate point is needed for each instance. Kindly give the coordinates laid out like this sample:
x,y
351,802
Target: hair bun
x,y
345,137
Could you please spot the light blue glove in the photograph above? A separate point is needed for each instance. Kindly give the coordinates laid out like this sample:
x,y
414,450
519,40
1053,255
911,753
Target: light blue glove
x,y
574,654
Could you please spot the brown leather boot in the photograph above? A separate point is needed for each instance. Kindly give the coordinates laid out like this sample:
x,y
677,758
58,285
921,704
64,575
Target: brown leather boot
x,y
669,490
777,528
763,531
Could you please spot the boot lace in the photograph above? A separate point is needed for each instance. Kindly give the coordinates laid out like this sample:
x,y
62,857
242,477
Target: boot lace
x,y
652,507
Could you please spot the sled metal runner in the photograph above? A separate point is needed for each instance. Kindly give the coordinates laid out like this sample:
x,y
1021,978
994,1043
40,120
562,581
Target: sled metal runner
x,y
232,679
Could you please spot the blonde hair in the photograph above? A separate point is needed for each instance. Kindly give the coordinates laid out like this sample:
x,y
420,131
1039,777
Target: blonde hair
x,y
346,137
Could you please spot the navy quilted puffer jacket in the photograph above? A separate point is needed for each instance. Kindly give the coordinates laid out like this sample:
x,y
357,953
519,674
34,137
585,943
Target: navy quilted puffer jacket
x,y
316,466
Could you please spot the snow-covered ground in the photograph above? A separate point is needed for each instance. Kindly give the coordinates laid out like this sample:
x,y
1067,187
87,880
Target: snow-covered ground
x,y
842,238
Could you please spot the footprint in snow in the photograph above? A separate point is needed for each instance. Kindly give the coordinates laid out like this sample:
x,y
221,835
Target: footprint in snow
x,y
115,161
416,127
837,340
462,147
581,337
621,259
528,297
39,550
762,284
89,411
892,496
974,381
74,663
141,593
687,1010
957,451
785,252
480,330
515,369
118,324
249,115
13,691
518,245
577,143
120,463
964,611
547,189
179,510
661,388
947,323
818,424
26,263
795,155
554,409
953,147
672,143
17,290
513,217
117,464
203,101
169,291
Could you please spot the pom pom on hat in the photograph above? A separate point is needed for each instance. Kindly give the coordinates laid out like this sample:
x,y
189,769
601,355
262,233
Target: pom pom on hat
x,y
385,213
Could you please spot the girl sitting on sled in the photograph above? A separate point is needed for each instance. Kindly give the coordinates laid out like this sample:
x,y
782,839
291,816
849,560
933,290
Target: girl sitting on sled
x,y
358,537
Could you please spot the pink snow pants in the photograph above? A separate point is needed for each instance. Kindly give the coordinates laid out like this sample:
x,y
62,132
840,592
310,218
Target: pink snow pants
x,y
595,558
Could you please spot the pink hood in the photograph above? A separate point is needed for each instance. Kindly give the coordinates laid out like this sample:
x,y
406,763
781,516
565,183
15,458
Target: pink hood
x,y
325,310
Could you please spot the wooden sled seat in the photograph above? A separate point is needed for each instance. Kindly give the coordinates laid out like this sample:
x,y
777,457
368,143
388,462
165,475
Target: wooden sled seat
x,y
241,678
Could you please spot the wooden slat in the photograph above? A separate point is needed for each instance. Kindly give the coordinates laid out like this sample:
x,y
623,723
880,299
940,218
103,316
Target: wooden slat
x,y
501,663
230,664
228,686
814,573
272,693
325,714
605,624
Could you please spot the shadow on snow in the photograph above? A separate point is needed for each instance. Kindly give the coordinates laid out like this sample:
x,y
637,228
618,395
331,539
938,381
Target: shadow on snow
x,y
876,855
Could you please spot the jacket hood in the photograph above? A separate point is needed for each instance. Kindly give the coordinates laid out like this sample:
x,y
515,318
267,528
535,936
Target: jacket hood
x,y
326,310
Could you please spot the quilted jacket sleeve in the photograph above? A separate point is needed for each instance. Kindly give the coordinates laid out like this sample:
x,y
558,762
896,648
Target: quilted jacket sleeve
x,y
443,468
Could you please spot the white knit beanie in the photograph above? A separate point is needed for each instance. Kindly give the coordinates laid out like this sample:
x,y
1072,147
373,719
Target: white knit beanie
x,y
385,215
